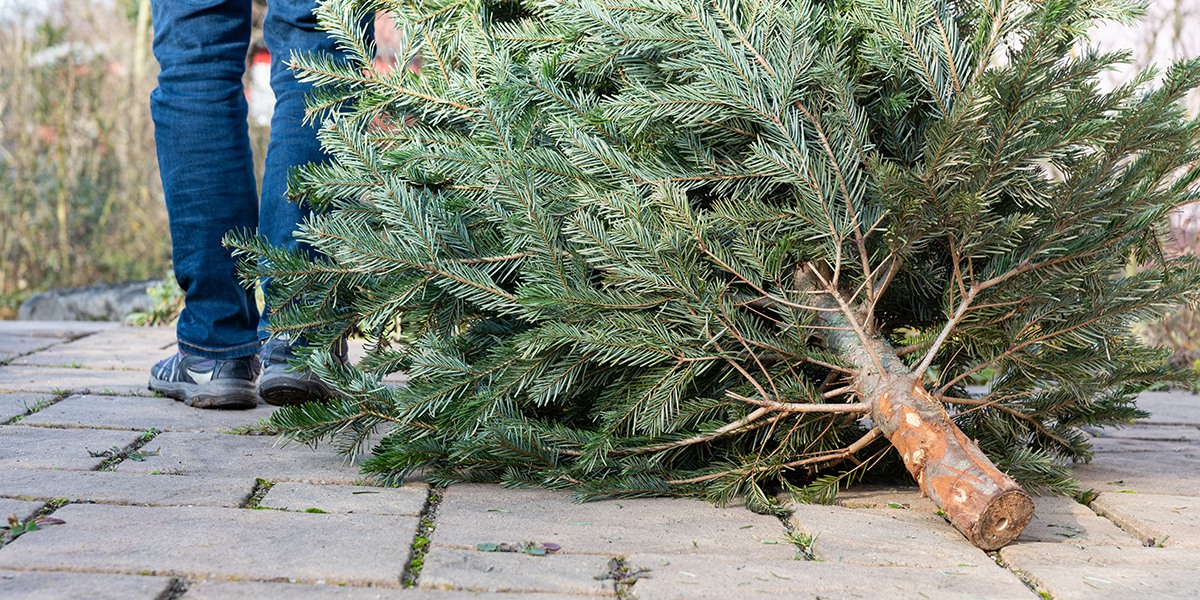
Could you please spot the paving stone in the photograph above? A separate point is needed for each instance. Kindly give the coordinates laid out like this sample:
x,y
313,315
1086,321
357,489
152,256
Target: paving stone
x,y
407,500
22,337
1165,433
220,543
124,348
19,378
472,514
45,448
140,413
12,347
1173,521
1058,519
247,590
357,350
35,585
62,329
461,569
15,405
875,496
23,509
1110,445
115,487
1082,572
1170,408
222,455
887,537
697,578
1143,472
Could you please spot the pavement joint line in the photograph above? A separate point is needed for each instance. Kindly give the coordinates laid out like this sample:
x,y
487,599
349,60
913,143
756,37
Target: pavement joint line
x,y
40,405
1090,504
67,426
1021,575
1155,439
76,500
181,582
65,340
1148,543
607,554
423,538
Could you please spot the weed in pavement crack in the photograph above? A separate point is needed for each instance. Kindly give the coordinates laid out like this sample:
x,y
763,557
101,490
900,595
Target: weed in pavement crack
x,y
261,487
804,542
179,587
42,404
623,576
42,513
259,427
420,544
115,456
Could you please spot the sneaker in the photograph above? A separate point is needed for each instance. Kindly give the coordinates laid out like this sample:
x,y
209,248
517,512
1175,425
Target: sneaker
x,y
207,382
283,385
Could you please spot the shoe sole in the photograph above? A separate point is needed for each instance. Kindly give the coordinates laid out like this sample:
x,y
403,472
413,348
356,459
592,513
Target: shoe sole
x,y
288,390
221,395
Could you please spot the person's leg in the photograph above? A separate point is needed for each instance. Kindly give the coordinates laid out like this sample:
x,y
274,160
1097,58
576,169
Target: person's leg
x,y
199,113
289,27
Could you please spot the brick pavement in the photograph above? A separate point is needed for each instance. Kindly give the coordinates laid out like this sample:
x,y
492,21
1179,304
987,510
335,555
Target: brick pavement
x,y
212,512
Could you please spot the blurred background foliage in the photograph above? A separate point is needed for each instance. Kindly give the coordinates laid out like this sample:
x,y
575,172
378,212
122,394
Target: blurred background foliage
x,y
1168,31
80,199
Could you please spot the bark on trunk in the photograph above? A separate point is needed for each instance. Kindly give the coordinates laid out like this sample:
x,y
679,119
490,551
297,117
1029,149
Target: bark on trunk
x,y
986,505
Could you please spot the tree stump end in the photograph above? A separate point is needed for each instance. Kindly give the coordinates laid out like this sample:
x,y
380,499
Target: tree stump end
x,y
1002,521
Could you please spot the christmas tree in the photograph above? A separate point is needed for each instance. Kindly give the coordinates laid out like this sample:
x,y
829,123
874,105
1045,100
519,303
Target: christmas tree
x,y
728,248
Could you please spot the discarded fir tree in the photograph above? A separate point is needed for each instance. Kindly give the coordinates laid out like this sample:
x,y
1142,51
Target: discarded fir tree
x,y
719,248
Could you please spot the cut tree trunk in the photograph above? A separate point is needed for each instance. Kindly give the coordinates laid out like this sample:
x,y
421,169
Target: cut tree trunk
x,y
986,505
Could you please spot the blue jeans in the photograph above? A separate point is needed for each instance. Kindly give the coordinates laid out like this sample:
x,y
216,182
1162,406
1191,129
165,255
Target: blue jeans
x,y
199,111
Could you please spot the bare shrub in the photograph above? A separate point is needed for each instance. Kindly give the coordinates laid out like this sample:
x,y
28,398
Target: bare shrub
x,y
1168,32
80,200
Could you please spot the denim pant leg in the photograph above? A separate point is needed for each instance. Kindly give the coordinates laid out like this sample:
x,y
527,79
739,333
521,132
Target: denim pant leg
x,y
289,27
200,129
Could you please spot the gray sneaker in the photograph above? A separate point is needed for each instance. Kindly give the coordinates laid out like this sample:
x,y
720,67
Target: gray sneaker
x,y
283,385
207,382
